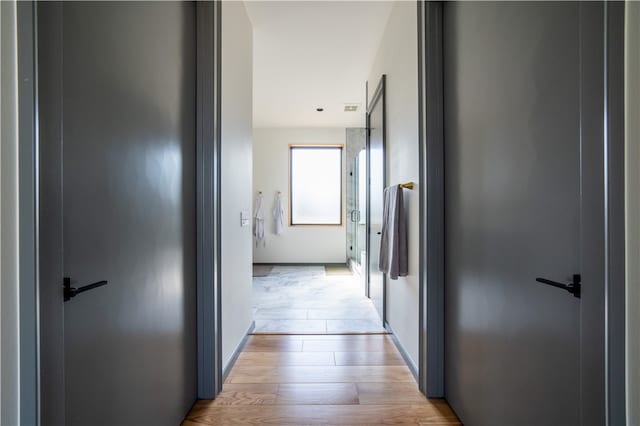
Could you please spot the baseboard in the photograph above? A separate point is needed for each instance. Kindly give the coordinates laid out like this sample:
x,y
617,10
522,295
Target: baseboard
x,y
300,264
226,370
405,355
355,268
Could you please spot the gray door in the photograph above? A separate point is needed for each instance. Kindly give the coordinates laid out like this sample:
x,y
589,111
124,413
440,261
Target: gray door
x,y
512,209
128,183
376,171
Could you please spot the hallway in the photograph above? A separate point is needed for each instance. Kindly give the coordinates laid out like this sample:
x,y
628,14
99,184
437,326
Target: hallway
x,y
339,379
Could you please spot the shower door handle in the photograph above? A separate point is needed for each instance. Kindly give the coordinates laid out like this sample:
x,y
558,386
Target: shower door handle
x,y
355,216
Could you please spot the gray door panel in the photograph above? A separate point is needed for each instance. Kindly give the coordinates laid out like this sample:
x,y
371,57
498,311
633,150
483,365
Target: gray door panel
x,y
512,177
129,211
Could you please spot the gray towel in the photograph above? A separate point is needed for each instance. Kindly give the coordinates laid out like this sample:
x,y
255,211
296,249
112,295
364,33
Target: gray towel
x,y
393,243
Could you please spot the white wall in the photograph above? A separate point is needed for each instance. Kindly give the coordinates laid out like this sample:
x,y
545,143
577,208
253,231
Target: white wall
x,y
397,57
9,321
297,244
237,123
632,196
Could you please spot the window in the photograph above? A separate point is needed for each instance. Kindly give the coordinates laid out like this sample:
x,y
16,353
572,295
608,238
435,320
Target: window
x,y
316,185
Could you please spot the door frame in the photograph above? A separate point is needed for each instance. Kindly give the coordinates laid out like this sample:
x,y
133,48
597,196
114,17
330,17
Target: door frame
x,y
615,244
379,95
602,246
9,223
28,205
431,200
208,197
632,147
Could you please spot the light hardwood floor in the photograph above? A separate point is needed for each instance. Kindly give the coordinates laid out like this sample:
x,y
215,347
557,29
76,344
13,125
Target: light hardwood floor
x,y
316,379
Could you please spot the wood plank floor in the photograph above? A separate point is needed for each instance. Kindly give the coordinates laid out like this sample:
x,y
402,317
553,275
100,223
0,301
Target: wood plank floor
x,y
331,379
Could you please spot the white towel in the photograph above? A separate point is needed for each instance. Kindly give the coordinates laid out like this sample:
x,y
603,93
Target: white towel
x,y
258,221
393,259
278,215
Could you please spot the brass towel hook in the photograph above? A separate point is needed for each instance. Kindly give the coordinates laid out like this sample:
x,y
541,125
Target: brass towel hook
x,y
407,185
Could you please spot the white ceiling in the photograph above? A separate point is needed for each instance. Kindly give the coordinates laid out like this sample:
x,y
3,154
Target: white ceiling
x,y
310,54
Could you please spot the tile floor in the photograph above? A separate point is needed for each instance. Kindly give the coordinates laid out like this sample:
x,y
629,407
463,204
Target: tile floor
x,y
304,300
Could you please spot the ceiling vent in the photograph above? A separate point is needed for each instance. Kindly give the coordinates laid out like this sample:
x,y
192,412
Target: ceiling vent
x,y
351,107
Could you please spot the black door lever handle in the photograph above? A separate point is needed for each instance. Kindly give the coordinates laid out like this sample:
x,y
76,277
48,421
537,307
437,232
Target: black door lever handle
x,y
70,292
573,287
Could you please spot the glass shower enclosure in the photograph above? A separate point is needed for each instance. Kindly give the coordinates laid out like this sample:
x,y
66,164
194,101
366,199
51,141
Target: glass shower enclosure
x,y
356,213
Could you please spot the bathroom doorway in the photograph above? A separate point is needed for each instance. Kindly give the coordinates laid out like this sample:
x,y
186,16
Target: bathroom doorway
x,y
310,273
